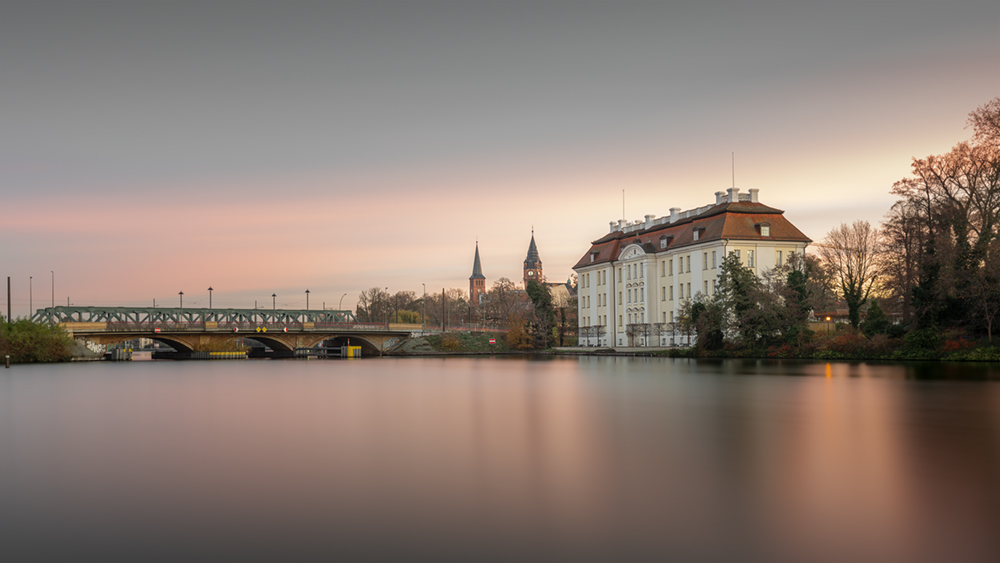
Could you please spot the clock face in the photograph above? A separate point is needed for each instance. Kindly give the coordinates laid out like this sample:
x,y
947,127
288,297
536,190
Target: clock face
x,y
530,273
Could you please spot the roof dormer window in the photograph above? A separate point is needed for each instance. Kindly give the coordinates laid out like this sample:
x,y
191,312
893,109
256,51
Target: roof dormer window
x,y
665,240
696,234
765,229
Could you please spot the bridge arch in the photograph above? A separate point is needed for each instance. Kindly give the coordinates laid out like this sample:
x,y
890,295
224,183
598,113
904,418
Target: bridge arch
x,y
368,347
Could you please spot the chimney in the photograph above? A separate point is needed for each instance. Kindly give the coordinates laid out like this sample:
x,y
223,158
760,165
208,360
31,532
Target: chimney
x,y
720,197
649,221
734,195
753,194
613,225
675,214
621,224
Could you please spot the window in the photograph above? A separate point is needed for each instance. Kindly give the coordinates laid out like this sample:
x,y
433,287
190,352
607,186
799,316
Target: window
x,y
694,235
663,294
663,243
689,290
663,268
713,260
706,287
777,259
619,275
680,295
619,298
750,258
765,230
628,273
671,293
671,266
642,270
737,253
704,261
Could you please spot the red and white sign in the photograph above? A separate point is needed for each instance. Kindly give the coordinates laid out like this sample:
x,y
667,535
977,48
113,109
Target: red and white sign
x,y
493,340
156,330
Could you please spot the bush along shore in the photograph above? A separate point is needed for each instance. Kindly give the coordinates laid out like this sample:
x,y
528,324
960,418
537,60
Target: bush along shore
x,y
30,342
919,345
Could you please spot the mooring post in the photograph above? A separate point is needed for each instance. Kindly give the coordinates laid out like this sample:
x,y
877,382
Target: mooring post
x,y
6,361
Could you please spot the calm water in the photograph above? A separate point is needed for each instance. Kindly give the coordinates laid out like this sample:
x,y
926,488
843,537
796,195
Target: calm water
x,y
596,459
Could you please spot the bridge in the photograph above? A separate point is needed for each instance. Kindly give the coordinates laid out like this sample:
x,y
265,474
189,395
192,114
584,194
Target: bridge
x,y
204,330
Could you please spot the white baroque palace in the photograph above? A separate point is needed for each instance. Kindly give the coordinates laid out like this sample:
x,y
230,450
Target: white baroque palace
x,y
633,279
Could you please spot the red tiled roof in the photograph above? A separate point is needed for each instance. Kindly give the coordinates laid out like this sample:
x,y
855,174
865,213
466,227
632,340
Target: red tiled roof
x,y
738,220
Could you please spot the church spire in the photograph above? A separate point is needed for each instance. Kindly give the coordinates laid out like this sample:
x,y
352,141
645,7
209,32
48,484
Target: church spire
x,y
477,267
477,281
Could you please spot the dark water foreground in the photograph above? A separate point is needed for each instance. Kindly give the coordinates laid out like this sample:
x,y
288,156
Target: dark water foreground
x,y
462,459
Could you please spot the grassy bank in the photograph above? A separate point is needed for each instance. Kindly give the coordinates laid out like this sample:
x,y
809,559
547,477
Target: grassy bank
x,y
29,342
454,342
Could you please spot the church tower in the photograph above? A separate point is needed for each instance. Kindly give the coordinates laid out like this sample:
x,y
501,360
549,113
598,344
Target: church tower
x,y
532,263
477,281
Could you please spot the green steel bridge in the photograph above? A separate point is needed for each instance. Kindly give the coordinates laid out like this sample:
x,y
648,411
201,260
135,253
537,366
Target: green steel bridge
x,y
194,329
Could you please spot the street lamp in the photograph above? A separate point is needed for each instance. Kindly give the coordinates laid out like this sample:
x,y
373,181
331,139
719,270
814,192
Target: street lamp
x,y
181,293
341,306
423,318
29,295
209,297
385,316
53,288
307,300
273,297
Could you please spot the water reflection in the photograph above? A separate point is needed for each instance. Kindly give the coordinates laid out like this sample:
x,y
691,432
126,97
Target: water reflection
x,y
478,459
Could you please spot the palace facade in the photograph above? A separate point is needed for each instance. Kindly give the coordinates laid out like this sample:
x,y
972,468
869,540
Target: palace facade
x,y
641,272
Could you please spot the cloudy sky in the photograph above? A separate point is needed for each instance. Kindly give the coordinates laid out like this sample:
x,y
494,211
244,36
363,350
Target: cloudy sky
x,y
148,148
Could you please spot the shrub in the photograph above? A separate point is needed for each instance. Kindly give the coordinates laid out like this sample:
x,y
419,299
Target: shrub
x,y
927,338
450,343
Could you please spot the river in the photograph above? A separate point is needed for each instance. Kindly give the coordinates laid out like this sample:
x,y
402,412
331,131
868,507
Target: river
x,y
511,459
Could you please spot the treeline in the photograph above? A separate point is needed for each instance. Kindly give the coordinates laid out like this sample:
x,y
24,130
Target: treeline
x,y
30,342
926,283
530,318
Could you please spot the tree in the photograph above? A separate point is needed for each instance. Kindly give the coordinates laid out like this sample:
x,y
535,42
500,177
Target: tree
x,y
875,321
954,202
852,253
734,292
544,318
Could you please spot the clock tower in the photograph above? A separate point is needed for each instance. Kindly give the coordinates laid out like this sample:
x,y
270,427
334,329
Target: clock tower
x,y
532,263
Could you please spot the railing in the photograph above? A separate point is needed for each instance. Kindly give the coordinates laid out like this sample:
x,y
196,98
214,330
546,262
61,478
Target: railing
x,y
248,327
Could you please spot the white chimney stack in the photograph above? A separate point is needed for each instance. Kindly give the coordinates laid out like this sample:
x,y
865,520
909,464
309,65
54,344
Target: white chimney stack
x,y
720,197
734,195
675,214
753,194
649,221
613,225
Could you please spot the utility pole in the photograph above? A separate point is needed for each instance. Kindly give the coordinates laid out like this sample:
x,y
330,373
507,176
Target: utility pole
x,y
8,299
443,320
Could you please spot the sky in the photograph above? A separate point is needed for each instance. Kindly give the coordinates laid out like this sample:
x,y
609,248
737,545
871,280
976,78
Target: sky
x,y
260,148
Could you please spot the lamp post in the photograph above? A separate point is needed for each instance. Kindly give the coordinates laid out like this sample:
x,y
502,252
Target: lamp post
x,y
341,306
29,295
385,316
209,297
273,305
307,300
181,294
423,318
53,289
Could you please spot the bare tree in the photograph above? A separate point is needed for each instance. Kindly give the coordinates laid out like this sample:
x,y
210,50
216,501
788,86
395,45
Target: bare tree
x,y
852,254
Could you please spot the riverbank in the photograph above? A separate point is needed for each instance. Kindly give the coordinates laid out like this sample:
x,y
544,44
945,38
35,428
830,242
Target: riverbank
x,y
844,347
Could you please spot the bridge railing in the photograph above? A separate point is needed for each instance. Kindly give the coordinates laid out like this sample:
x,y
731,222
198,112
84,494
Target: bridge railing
x,y
249,327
